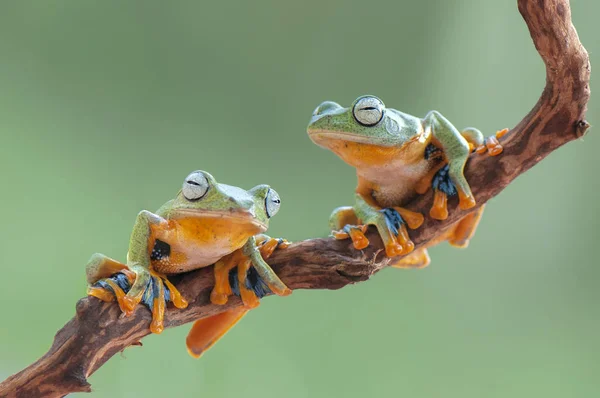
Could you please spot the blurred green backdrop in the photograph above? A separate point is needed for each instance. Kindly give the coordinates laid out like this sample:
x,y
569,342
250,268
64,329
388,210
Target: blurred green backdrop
x,y
105,106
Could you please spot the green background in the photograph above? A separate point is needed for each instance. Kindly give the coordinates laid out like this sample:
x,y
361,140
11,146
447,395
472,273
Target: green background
x,y
105,106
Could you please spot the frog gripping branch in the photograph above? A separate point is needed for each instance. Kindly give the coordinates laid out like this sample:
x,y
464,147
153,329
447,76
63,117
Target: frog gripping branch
x,y
397,156
98,330
207,223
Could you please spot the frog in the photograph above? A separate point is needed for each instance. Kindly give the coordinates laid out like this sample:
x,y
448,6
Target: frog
x,y
398,156
206,223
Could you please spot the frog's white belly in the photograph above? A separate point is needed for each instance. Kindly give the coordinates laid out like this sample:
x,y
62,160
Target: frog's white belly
x,y
198,257
395,182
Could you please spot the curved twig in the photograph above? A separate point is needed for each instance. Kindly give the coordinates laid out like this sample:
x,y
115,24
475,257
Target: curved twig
x,y
98,330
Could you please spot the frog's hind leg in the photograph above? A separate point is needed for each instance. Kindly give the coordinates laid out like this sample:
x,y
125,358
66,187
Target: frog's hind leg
x,y
206,332
222,289
100,266
345,224
98,271
417,259
473,136
465,229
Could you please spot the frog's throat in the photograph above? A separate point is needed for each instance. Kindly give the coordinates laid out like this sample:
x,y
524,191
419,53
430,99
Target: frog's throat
x,y
324,138
367,153
236,216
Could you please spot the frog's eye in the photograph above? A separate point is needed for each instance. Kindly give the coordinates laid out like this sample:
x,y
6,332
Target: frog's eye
x,y
272,203
195,186
368,111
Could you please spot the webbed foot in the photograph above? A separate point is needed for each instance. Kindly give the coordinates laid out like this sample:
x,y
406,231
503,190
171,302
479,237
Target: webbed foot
x,y
253,278
492,145
156,293
391,223
356,233
443,188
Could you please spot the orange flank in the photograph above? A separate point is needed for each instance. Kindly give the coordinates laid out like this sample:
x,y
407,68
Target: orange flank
x,y
197,242
206,332
439,210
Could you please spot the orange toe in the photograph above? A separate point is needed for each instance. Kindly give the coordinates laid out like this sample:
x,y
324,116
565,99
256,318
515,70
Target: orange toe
x,y
393,249
359,240
501,133
439,210
493,146
466,202
340,235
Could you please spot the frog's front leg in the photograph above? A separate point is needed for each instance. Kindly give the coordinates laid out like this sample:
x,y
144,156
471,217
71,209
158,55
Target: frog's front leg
x,y
150,286
456,151
390,222
110,279
267,245
252,251
344,224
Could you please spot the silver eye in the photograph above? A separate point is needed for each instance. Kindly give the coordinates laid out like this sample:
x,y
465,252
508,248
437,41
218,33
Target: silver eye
x,y
272,203
368,111
195,186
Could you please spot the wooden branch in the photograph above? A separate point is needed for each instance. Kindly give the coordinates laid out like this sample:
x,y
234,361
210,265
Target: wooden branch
x,y
98,330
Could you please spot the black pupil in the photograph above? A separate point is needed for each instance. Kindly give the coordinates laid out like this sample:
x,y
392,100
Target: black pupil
x,y
369,108
193,183
276,201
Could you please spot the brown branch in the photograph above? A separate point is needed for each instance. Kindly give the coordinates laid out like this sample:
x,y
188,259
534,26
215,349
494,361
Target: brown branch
x,y
98,330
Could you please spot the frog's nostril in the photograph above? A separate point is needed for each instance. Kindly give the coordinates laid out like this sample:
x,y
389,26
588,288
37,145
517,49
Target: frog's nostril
x,y
326,107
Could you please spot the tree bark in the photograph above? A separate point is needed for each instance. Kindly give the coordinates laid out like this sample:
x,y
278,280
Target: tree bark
x,y
98,330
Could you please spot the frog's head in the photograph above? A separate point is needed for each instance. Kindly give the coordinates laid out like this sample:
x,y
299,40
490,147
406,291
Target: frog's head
x,y
202,197
366,133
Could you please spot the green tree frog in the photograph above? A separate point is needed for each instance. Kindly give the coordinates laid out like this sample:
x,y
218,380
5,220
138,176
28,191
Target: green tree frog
x,y
207,223
396,156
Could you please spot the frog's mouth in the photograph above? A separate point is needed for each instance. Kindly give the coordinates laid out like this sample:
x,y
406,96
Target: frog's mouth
x,y
236,218
324,138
